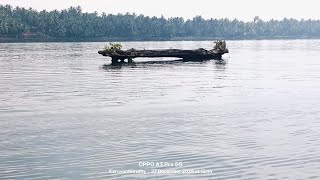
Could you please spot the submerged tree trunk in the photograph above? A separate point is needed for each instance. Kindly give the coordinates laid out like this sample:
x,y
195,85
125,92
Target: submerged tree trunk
x,y
199,54
117,54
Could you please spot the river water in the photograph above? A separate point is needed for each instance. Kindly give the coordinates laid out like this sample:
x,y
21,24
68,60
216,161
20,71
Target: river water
x,y
65,113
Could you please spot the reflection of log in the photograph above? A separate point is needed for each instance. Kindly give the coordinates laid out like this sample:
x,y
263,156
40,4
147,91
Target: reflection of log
x,y
199,54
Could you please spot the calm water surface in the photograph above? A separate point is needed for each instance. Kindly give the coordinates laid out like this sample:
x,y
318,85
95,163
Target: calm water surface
x,y
65,113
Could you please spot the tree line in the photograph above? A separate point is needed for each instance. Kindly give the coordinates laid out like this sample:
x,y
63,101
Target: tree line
x,y
18,22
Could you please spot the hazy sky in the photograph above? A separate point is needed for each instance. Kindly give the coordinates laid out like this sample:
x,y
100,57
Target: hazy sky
x,y
240,9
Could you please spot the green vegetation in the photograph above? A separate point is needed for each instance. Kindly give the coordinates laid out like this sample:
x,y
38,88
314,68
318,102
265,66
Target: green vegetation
x,y
220,45
112,47
72,23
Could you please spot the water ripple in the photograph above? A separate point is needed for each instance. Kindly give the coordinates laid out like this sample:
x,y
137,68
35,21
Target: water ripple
x,y
66,113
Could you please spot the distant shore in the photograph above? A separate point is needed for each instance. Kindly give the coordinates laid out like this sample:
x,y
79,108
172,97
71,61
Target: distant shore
x,y
107,39
74,25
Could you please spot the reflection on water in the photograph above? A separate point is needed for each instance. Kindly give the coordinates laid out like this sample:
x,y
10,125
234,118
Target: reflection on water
x,y
66,114
150,61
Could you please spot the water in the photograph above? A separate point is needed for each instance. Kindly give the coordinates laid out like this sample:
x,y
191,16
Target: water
x,y
65,113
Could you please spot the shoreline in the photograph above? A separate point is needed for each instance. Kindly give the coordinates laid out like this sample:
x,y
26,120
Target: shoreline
x,y
104,39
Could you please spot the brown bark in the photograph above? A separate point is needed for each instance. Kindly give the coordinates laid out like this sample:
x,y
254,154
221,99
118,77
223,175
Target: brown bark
x,y
198,54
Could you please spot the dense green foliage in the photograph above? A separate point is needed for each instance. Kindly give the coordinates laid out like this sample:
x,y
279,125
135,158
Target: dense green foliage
x,y
73,23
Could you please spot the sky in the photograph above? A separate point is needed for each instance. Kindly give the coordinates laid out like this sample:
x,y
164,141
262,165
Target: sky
x,y
244,10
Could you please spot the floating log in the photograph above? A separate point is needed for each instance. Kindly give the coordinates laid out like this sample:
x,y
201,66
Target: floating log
x,y
194,55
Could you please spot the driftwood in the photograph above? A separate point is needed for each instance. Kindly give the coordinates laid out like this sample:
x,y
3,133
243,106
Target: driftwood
x,y
195,55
